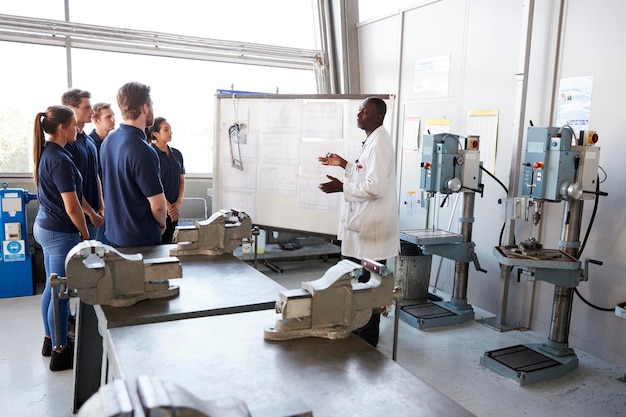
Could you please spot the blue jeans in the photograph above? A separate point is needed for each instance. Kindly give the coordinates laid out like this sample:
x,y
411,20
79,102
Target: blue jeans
x,y
101,236
96,233
55,247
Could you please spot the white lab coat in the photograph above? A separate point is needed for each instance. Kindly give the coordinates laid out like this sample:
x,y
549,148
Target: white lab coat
x,y
368,225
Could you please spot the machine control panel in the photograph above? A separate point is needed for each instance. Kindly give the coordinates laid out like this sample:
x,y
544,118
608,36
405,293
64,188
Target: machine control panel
x,y
548,164
446,168
12,231
554,169
12,218
588,169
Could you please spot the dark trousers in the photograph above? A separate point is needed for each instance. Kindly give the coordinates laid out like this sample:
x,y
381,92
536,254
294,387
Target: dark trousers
x,y
170,227
370,331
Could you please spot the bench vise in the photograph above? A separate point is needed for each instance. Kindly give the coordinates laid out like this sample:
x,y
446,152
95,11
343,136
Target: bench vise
x,y
334,305
147,396
221,233
102,275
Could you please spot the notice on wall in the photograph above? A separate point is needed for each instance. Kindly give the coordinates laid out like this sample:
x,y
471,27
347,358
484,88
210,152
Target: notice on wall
x,y
574,103
410,135
484,124
431,77
434,126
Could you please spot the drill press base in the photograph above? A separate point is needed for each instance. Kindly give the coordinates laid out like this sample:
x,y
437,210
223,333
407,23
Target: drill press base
x,y
527,364
493,323
429,315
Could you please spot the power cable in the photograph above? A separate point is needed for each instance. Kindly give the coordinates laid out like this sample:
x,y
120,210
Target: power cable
x,y
506,190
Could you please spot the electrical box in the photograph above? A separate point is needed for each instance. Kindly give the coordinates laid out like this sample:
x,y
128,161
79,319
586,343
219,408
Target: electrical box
x,y
439,167
16,267
588,170
471,173
447,169
550,163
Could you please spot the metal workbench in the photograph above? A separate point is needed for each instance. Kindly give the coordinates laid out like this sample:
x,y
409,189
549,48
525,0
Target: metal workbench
x,y
273,252
210,286
226,356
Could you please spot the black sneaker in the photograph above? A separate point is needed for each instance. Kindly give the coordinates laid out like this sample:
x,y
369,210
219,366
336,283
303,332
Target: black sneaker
x,y
62,360
46,350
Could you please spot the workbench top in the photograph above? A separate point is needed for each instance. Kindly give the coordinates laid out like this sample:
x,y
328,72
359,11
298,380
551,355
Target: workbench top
x,y
210,285
227,356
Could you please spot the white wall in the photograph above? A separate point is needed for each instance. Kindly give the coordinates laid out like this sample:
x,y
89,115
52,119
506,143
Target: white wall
x,y
484,41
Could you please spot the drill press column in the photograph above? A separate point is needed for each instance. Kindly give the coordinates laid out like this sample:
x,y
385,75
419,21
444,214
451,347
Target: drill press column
x,y
461,270
563,296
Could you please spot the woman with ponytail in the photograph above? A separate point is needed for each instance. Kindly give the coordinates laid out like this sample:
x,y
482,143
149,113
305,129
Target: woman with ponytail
x,y
172,173
60,222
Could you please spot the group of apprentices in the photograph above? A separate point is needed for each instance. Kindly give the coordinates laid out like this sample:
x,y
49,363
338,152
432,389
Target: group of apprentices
x,y
77,176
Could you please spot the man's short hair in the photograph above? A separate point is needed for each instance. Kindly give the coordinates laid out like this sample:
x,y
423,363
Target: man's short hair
x,y
379,105
131,97
97,109
74,96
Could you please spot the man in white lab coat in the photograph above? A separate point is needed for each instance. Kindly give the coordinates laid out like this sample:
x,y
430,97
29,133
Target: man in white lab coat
x,y
368,226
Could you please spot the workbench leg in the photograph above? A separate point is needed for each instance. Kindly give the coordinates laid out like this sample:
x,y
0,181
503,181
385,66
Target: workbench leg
x,y
272,266
104,368
87,355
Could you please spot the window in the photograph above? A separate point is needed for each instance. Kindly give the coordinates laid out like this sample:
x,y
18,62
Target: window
x,y
183,82
183,91
274,22
44,9
38,81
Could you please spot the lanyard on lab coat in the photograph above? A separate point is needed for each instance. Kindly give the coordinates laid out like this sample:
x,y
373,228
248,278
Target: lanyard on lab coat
x,y
356,161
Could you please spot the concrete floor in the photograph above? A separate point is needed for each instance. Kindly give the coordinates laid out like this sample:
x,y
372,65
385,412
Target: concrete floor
x,y
446,358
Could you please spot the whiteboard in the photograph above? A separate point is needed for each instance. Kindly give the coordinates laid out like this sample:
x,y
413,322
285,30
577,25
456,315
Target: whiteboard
x,y
275,173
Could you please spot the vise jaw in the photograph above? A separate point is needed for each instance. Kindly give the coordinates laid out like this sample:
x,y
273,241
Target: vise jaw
x,y
102,275
334,305
147,396
221,233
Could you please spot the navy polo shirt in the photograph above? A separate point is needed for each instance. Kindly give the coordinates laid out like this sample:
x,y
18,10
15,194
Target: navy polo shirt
x,y
57,174
86,159
130,174
172,168
97,141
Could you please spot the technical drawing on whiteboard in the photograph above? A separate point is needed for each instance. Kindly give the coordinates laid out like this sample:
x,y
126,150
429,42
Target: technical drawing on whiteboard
x,y
237,133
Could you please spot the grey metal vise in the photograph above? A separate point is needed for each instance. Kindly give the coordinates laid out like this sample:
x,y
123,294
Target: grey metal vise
x,y
334,305
102,275
221,233
149,396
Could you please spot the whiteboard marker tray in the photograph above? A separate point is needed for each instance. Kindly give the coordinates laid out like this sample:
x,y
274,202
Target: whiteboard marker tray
x,y
430,236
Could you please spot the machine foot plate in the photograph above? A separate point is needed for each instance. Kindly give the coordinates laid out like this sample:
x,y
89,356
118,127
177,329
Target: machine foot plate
x,y
501,327
527,364
429,315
